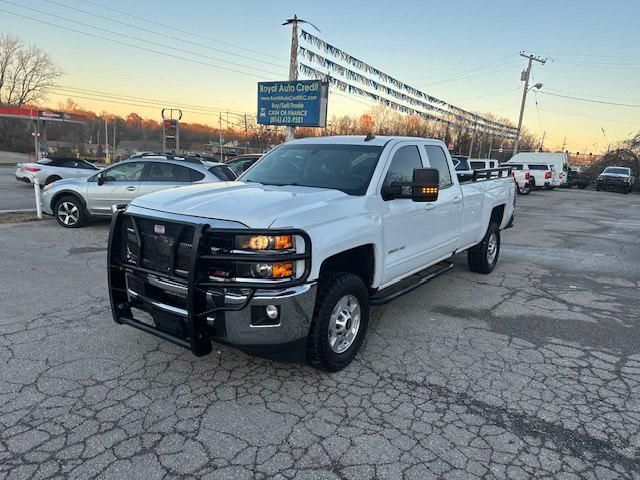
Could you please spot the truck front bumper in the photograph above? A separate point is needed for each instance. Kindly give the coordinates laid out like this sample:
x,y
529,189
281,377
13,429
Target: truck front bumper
x,y
182,305
249,329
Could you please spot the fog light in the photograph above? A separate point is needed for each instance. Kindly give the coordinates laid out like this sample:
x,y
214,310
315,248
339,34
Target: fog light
x,y
271,311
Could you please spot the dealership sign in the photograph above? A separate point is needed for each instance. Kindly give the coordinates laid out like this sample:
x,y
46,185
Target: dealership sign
x,y
294,103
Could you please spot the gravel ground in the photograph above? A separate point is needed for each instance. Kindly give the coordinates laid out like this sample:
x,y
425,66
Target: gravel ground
x,y
530,372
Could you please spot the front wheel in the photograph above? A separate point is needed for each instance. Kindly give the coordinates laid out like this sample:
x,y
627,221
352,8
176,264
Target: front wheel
x,y
70,212
482,258
340,322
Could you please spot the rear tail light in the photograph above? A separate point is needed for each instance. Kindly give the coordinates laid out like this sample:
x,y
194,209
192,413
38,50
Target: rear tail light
x,y
527,175
32,169
547,175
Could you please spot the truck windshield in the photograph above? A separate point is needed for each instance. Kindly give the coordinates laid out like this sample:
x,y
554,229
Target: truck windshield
x,y
340,167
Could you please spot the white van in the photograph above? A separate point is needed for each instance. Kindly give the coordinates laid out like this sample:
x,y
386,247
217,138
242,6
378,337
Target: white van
x,y
558,160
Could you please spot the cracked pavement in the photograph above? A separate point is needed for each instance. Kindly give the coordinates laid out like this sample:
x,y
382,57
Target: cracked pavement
x,y
532,371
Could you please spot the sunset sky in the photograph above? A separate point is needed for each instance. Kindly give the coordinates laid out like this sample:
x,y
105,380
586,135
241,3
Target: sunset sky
x,y
464,52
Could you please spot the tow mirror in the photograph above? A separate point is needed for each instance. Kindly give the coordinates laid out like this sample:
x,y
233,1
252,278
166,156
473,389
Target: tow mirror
x,y
426,183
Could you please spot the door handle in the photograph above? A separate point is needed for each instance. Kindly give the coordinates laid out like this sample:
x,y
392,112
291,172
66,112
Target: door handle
x,y
430,206
130,189
457,199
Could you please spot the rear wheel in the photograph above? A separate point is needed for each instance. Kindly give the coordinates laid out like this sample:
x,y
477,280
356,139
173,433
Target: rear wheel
x,y
482,258
70,212
340,322
526,190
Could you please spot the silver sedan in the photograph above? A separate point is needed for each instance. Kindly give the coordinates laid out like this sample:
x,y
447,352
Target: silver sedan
x,y
74,201
49,170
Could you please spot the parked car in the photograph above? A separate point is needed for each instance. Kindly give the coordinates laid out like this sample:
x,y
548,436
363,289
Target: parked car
x,y
618,178
242,162
559,161
522,176
540,175
74,201
48,170
576,177
286,261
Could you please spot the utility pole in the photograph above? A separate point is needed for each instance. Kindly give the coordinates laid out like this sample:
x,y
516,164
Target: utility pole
x,y
473,136
293,57
293,61
113,150
526,76
544,134
246,139
220,130
106,141
564,144
490,145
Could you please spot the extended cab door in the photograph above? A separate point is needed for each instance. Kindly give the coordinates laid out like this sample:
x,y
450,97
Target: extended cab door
x,y
405,230
445,214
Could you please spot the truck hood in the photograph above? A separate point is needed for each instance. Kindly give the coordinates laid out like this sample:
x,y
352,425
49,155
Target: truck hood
x,y
252,204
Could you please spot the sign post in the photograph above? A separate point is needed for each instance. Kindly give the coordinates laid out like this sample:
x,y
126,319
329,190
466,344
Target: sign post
x,y
300,103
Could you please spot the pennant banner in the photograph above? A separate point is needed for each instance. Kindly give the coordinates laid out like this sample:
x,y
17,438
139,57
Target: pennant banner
x,y
352,89
351,75
362,66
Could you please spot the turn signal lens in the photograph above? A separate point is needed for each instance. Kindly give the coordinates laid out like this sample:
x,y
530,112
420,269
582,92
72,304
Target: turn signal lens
x,y
282,270
428,190
283,242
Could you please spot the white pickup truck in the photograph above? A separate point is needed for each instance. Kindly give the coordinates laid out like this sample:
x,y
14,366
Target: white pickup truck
x,y
285,261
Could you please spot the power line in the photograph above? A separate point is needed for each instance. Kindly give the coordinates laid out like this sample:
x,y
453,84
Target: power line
x,y
603,55
602,102
623,66
591,117
181,50
464,71
511,90
186,32
159,102
582,94
146,99
164,35
464,77
131,45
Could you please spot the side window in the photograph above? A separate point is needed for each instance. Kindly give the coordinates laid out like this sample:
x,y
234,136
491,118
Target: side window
x,y
185,174
438,159
404,161
159,172
126,172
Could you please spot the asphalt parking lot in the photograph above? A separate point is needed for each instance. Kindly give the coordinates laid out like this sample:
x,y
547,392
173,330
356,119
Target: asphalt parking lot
x,y
14,195
530,372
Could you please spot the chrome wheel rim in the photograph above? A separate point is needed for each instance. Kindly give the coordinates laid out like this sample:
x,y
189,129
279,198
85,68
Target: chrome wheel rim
x,y
68,213
492,248
344,324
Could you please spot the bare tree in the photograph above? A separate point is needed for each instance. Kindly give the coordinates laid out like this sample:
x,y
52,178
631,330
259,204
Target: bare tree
x,y
27,72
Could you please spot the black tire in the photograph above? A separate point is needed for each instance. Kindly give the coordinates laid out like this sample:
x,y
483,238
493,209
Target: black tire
x,y
70,212
330,291
51,179
582,186
526,190
598,188
478,256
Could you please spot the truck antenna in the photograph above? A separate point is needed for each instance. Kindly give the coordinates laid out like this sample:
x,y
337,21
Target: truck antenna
x,y
370,136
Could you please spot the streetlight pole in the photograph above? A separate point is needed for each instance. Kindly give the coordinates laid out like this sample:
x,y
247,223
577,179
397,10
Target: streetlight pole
x,y
525,90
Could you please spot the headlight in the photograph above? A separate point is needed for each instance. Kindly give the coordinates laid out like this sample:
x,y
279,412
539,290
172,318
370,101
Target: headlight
x,y
264,242
600,177
47,187
267,271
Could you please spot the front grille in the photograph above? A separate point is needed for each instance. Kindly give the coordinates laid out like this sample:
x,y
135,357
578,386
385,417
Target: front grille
x,y
161,246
